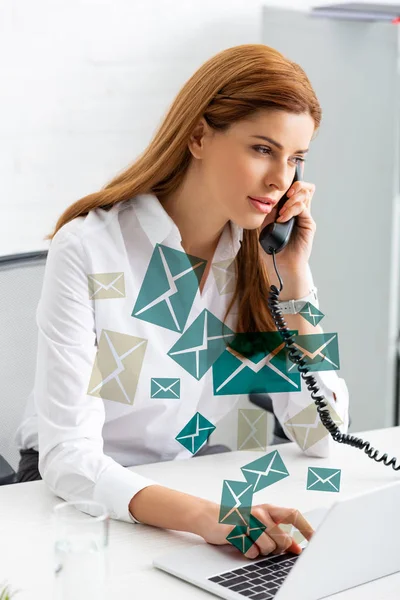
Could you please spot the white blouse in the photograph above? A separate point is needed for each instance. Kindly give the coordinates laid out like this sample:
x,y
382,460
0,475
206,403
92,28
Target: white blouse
x,y
126,344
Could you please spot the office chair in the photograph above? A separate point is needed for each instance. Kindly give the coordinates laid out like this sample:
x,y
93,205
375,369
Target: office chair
x,y
21,278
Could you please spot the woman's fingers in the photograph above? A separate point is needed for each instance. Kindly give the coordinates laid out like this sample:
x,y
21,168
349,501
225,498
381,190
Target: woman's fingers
x,y
295,548
275,540
282,533
291,211
253,552
272,540
292,516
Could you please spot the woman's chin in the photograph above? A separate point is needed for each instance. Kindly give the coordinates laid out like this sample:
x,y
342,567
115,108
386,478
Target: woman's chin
x,y
250,222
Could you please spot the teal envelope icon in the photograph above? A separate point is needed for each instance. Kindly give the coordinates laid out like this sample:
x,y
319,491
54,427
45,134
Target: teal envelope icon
x,y
265,471
165,387
236,500
195,433
238,537
322,479
202,343
319,350
169,288
254,363
243,536
311,314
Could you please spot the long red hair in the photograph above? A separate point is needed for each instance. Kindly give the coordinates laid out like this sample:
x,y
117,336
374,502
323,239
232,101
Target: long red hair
x,y
230,86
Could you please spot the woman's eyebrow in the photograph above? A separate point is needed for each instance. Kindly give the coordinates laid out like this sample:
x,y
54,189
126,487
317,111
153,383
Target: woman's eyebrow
x,y
267,139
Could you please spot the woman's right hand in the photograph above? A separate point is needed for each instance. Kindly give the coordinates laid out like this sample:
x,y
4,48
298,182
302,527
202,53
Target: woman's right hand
x,y
272,541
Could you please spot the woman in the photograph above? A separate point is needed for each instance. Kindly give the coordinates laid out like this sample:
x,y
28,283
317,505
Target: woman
x,y
115,312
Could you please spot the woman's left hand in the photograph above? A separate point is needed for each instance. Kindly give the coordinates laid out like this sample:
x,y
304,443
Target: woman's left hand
x,y
295,256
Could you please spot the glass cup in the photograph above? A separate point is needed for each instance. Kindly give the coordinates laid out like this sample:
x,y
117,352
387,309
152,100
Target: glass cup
x,y
80,547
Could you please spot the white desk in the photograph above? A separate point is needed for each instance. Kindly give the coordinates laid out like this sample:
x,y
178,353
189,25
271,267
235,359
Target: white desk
x,y
26,559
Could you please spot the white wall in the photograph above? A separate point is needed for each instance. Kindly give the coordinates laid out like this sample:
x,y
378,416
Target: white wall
x,y
84,84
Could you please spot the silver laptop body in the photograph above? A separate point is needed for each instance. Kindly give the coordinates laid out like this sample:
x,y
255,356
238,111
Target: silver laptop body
x,y
355,541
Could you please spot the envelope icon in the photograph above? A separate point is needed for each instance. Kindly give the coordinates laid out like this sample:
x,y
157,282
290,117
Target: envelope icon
x,y
322,479
307,428
311,313
104,286
225,275
165,387
243,536
252,429
236,500
117,367
195,433
265,471
254,363
202,343
319,350
282,530
169,288
288,529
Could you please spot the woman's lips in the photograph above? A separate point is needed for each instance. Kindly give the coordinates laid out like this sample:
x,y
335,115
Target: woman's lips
x,y
260,206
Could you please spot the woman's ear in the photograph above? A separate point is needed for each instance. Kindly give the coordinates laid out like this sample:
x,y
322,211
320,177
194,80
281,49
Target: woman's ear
x,y
197,140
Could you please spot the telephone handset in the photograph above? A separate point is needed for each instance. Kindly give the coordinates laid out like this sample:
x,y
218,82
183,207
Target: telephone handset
x,y
273,239
275,235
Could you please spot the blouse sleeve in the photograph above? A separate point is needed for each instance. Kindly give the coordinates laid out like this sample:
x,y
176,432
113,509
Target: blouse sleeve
x,y
71,458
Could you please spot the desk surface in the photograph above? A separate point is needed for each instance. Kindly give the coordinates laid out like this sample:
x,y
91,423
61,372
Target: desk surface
x,y
26,559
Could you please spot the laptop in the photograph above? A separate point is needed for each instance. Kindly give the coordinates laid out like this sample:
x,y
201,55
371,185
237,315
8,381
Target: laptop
x,y
355,541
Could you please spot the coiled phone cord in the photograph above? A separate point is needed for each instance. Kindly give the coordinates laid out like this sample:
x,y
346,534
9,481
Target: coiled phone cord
x,y
295,356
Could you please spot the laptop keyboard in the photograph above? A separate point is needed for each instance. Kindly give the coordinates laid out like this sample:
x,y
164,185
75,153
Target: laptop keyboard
x,y
259,580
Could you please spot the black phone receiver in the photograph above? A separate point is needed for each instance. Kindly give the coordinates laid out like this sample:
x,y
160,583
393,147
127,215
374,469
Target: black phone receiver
x,y
275,236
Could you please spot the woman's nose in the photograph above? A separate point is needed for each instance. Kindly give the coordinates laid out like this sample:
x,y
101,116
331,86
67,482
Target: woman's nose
x,y
278,181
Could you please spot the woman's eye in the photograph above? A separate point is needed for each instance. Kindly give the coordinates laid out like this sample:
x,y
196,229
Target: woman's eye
x,y
268,151
258,148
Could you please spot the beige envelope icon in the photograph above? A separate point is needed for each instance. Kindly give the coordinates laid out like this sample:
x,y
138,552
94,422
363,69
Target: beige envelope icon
x,y
307,428
252,429
117,367
225,275
290,529
106,285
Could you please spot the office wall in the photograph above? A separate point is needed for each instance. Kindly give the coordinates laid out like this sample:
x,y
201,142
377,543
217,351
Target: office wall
x,y
84,84
354,162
